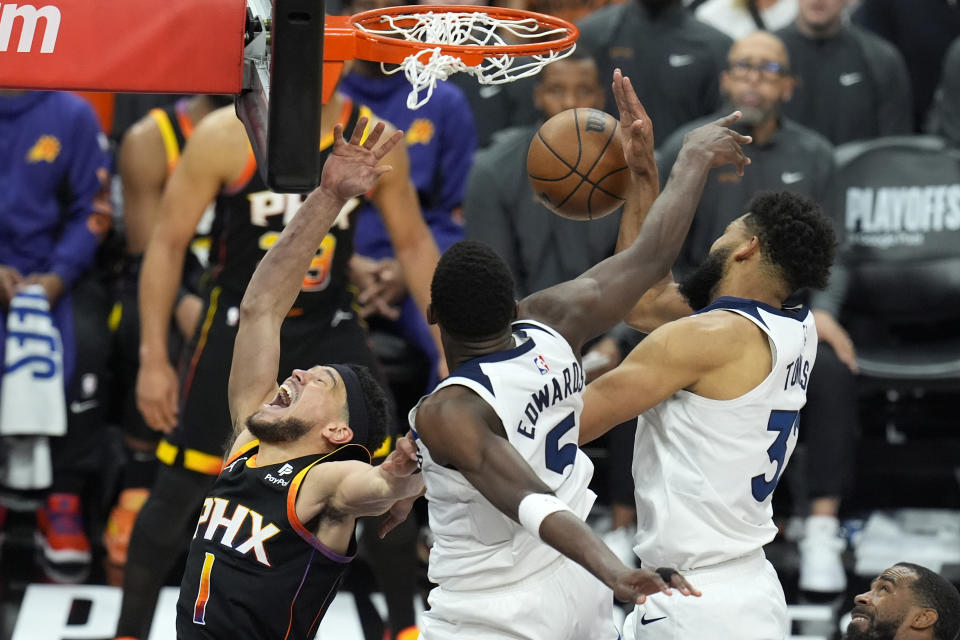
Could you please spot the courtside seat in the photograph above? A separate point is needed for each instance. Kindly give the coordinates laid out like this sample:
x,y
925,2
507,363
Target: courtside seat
x,y
900,199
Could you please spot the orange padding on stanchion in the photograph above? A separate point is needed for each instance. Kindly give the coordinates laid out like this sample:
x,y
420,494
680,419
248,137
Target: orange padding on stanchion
x,y
174,46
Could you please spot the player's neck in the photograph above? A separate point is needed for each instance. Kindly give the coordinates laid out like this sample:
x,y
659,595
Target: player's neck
x,y
459,351
276,452
748,286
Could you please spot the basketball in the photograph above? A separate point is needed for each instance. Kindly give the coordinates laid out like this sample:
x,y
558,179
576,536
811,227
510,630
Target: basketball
x,y
575,164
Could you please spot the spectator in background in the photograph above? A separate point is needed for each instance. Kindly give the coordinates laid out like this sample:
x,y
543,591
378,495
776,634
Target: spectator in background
x,y
673,59
149,152
851,84
945,113
738,18
786,155
922,30
54,213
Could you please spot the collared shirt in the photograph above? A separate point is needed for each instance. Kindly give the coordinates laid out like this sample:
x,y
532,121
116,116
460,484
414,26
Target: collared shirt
x,y
673,60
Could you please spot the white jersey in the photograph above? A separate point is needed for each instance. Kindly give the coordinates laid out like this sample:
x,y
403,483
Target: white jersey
x,y
536,389
705,470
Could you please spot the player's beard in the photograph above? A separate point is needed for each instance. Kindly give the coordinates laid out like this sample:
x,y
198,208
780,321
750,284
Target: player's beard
x,y
878,630
277,431
698,285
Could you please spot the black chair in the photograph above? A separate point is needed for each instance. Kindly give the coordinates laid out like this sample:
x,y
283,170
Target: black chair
x,y
900,204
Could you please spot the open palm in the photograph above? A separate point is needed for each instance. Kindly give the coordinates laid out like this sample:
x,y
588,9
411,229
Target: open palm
x,y
352,167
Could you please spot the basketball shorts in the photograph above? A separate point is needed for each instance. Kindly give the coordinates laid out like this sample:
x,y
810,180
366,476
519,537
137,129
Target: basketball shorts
x,y
741,599
204,430
561,602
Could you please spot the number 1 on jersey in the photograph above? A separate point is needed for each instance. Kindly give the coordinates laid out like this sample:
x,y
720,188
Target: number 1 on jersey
x,y
783,422
203,594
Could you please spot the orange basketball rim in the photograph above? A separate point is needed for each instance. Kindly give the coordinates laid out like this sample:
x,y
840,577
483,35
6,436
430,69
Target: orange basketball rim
x,y
197,46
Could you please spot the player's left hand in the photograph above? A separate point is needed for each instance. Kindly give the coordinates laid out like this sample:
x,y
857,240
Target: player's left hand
x,y
635,585
636,128
353,166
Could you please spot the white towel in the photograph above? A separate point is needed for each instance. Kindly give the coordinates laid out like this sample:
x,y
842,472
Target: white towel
x,y
32,402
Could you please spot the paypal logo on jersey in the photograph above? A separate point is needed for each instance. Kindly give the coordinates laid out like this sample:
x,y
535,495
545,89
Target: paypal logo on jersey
x,y
541,365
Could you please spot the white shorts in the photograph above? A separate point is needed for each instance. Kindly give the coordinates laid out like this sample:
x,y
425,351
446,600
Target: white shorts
x,y
562,602
741,599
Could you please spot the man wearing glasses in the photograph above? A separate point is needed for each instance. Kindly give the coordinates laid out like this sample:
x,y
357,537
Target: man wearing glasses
x,y
758,82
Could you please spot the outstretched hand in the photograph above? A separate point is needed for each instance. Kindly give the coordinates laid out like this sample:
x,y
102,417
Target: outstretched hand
x,y
352,167
635,585
636,128
719,143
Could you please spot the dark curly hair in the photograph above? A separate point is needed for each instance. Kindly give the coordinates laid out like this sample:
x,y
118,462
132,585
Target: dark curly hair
x,y
795,235
472,291
378,408
933,590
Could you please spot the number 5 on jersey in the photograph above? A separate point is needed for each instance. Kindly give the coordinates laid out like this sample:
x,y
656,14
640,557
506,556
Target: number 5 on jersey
x,y
783,423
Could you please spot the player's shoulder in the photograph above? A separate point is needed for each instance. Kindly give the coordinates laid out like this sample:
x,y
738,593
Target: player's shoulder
x,y
711,337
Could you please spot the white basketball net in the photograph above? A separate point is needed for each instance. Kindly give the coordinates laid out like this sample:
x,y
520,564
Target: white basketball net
x,y
424,68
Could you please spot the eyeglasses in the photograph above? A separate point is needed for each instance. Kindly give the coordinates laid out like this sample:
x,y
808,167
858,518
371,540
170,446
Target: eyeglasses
x,y
768,71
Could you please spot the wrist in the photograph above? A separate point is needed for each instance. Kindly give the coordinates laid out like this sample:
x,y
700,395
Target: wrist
x,y
153,355
324,194
693,157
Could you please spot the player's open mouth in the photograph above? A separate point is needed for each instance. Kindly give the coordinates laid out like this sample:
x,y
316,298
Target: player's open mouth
x,y
286,396
860,617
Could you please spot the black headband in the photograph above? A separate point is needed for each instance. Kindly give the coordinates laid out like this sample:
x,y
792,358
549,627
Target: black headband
x,y
356,403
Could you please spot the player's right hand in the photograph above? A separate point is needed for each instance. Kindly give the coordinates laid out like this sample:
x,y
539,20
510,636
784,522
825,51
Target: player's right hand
x,y
635,585
157,393
718,143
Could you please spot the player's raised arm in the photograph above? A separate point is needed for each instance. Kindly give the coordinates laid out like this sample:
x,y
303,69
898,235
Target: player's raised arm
x,y
601,297
351,169
459,429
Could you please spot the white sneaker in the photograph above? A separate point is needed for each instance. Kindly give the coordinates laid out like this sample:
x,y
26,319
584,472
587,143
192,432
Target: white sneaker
x,y
620,542
821,561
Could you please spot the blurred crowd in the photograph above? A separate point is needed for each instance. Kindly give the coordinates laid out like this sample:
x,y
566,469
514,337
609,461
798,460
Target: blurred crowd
x,y
124,220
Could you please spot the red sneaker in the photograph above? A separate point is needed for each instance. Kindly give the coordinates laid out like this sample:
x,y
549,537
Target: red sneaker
x,y
61,528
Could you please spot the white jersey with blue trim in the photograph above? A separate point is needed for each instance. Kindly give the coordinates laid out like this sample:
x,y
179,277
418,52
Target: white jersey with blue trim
x,y
705,470
536,388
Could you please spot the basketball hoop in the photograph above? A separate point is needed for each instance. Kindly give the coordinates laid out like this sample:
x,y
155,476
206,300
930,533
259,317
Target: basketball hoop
x,y
430,43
